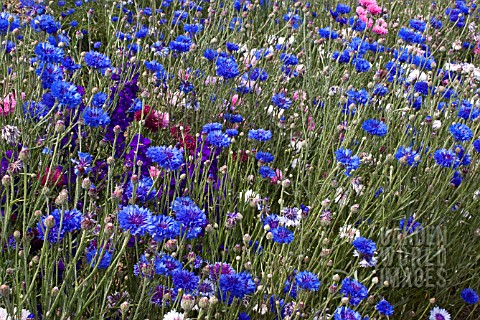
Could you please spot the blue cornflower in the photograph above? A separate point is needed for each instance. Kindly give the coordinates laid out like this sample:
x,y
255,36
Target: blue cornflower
x,y
214,126
375,127
444,157
243,316
407,155
218,139
191,216
192,28
48,53
361,65
99,99
95,117
45,23
410,36
94,255
144,190
357,24
456,179
260,134
410,225
267,172
180,202
154,66
163,228
355,290
233,118
97,60
293,19
289,59
5,25
231,132
167,157
282,235
166,265
210,54
237,285
232,46
476,145
258,74
380,90
460,132
418,25
72,220
206,288
421,87
345,313
384,308
272,220
135,219
48,73
364,245
66,93
342,8
435,23
181,44
227,67
345,157
281,101
307,280
186,280
327,33
82,165
264,157
469,296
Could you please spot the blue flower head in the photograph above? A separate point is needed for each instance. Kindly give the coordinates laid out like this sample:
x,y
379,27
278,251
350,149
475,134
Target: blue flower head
x,y
375,127
95,117
66,93
260,134
167,157
144,190
135,219
307,280
164,228
282,235
345,157
354,290
48,53
227,67
218,139
461,132
281,101
97,60
345,313
384,308
469,296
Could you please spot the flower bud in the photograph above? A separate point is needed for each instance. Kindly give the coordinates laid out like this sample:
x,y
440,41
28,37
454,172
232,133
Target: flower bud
x,y
4,290
187,303
49,222
203,303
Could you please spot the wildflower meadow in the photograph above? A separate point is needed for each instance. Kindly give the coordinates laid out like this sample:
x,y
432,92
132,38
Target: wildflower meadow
x,y
240,159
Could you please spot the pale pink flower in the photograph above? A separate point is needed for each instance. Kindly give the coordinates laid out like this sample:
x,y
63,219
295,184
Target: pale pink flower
x,y
477,49
374,9
235,100
361,11
278,176
311,123
8,105
154,172
367,3
380,30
